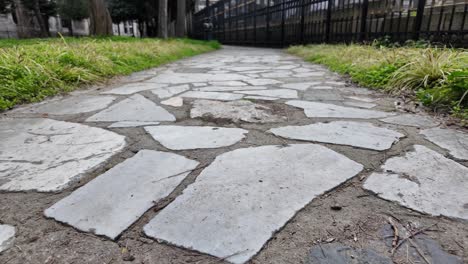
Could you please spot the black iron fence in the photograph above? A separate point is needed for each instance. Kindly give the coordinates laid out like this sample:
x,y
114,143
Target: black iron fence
x,y
286,22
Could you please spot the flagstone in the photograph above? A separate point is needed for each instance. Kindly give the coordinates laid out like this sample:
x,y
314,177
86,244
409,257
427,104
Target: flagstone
x,y
7,237
46,155
167,92
456,142
132,88
174,101
180,78
315,109
264,98
411,120
234,111
229,88
279,93
260,82
362,99
135,109
356,134
239,201
195,137
300,86
212,95
360,104
132,124
228,83
71,105
113,201
425,181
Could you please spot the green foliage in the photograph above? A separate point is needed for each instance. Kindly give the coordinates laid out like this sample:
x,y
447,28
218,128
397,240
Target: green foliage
x,y
32,70
438,77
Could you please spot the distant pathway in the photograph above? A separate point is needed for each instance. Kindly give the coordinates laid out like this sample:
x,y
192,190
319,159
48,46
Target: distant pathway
x,y
238,153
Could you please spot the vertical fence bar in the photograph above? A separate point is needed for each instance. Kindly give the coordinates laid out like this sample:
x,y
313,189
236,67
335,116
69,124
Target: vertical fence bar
x,y
419,19
283,10
302,21
328,21
268,22
255,23
364,12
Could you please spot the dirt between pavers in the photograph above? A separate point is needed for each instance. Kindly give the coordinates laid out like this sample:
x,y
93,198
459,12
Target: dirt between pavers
x,y
357,224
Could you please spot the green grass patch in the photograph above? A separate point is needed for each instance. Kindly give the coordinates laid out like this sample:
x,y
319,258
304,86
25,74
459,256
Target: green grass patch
x,y
31,70
438,77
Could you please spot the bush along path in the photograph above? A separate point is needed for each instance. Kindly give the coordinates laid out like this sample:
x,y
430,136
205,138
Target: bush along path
x,y
436,77
32,70
237,156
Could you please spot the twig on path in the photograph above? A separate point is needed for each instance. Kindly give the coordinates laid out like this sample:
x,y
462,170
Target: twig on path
x,y
395,234
411,236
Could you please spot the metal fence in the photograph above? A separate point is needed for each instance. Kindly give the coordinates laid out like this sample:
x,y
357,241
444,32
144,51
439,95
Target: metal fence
x,y
286,22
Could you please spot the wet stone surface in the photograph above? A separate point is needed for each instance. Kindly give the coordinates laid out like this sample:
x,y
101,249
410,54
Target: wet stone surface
x,y
243,155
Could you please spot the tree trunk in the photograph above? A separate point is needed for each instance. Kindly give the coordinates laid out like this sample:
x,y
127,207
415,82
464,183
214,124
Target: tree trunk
x,y
24,25
71,28
181,24
43,25
101,22
162,19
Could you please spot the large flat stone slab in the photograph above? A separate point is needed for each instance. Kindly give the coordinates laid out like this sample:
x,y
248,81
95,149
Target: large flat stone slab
x,y
47,155
174,102
125,124
300,86
7,237
113,201
179,78
135,109
425,181
261,82
456,142
246,195
196,137
315,109
166,92
278,93
71,105
356,134
336,253
212,95
234,111
411,120
229,88
132,88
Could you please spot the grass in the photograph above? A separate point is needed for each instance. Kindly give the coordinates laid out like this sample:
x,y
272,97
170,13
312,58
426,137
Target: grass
x,y
438,77
31,70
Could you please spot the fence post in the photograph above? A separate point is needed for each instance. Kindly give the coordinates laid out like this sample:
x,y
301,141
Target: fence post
x,y
364,11
419,19
255,23
302,21
268,23
328,24
283,11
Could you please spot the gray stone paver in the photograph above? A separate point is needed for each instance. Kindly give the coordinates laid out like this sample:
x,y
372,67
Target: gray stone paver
x,y
72,105
135,109
195,137
113,201
7,237
456,142
47,155
357,134
247,194
242,93
425,181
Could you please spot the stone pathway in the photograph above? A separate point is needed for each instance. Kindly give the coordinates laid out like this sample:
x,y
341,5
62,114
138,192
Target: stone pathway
x,y
240,155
